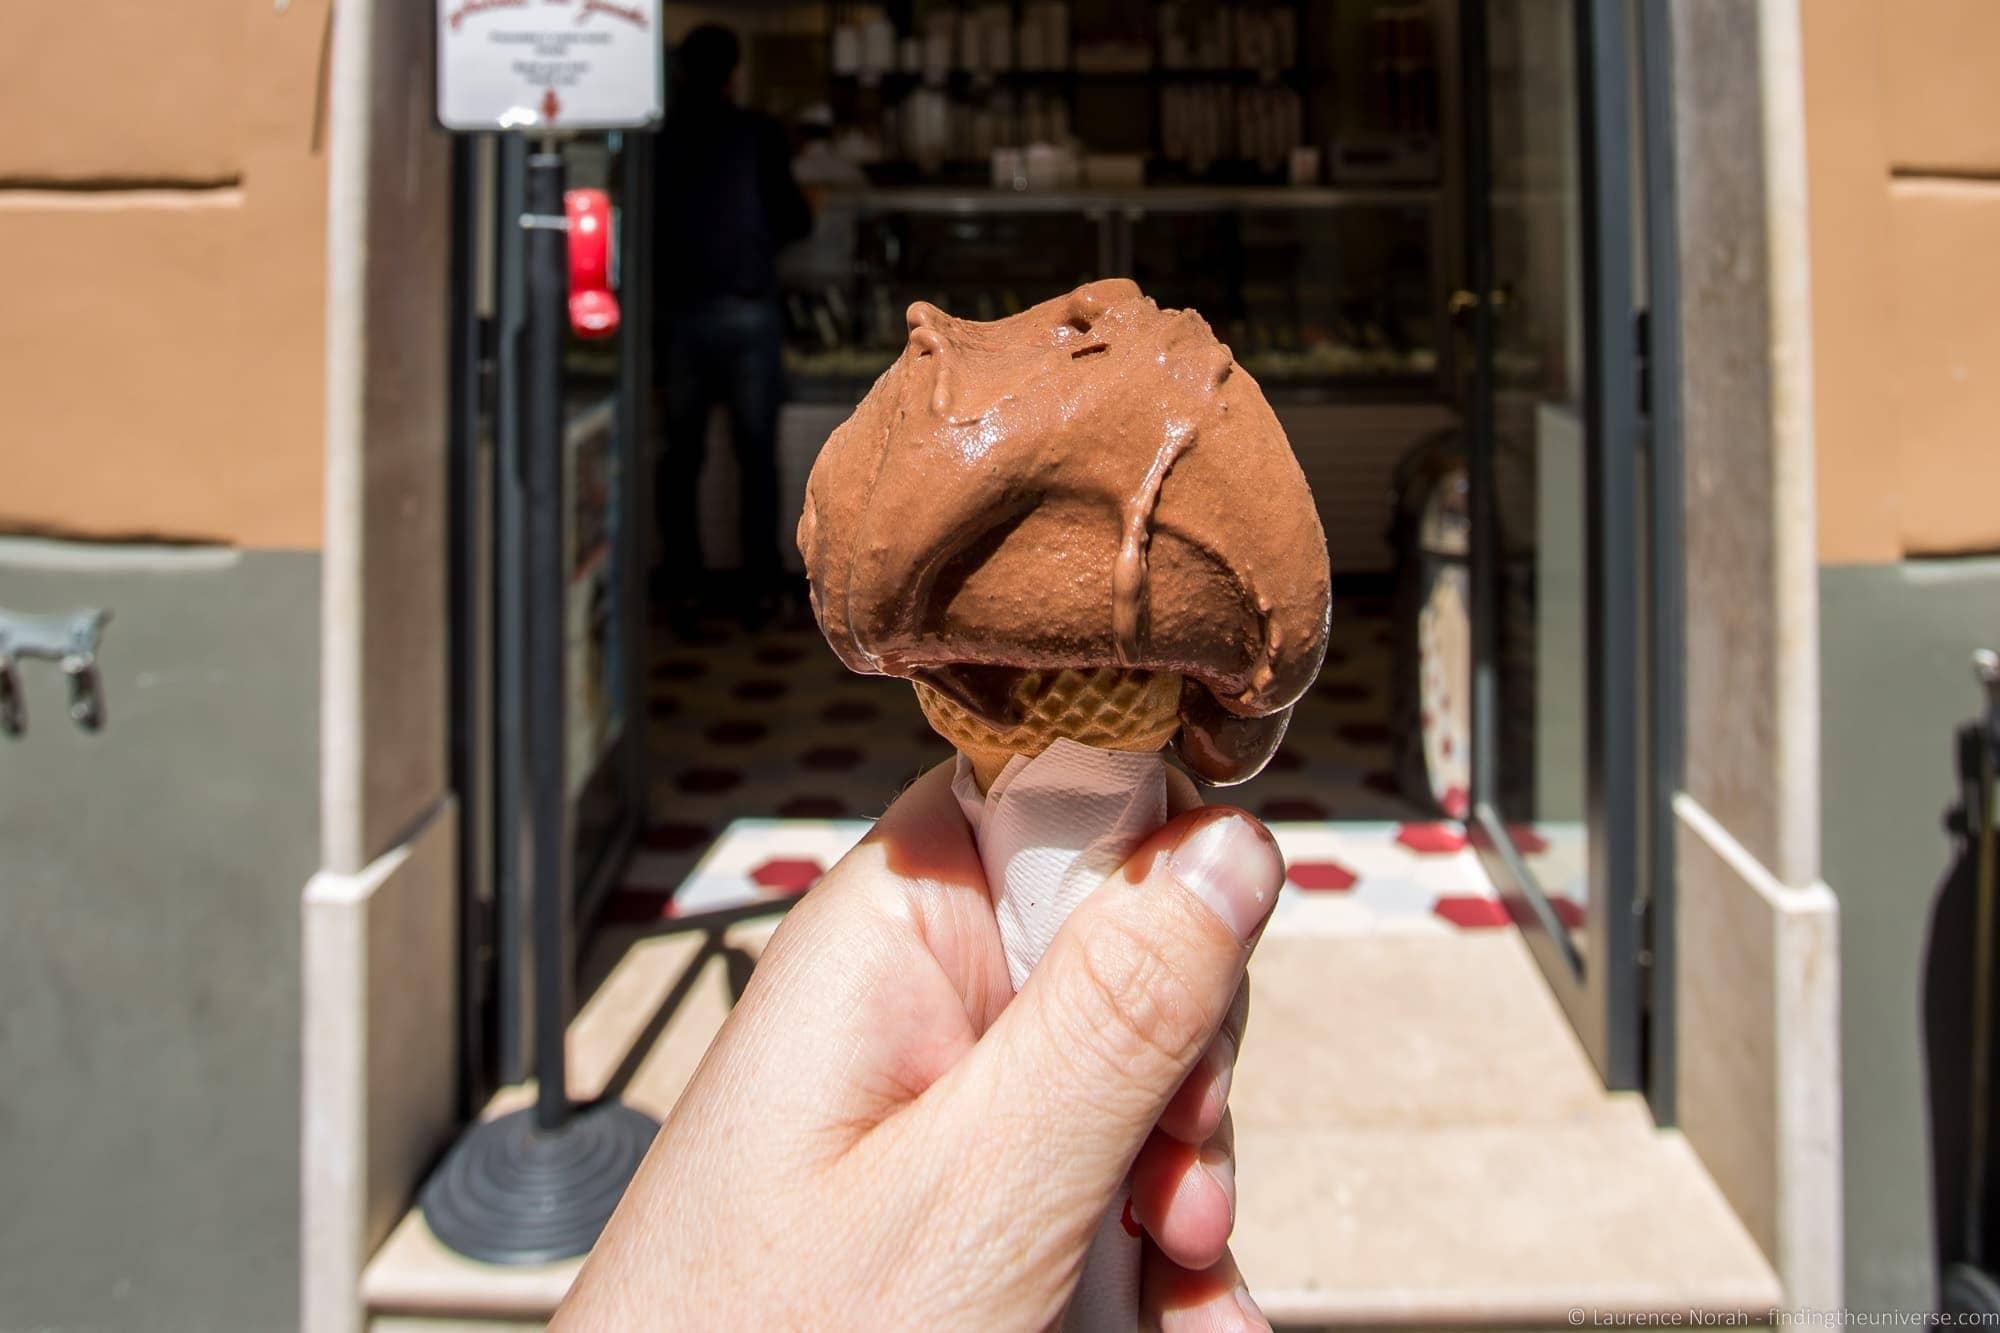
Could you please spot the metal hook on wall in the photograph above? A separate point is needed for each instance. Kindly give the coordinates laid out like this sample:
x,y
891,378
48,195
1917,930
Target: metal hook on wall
x,y
13,712
71,640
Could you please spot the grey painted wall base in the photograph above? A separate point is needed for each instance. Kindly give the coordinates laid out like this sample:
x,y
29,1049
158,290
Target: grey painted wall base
x,y
1896,643
149,944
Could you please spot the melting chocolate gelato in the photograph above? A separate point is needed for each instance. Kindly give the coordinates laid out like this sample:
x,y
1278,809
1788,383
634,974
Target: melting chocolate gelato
x,y
1092,482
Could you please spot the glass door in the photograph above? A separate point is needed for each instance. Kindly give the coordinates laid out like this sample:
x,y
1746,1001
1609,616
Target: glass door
x,y
1554,449
605,455
606,425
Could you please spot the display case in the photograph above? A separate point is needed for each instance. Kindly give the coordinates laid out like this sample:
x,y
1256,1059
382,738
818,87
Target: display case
x,y
1219,92
1324,295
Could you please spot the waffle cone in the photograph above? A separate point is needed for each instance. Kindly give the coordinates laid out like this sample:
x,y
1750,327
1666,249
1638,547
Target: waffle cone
x,y
1109,707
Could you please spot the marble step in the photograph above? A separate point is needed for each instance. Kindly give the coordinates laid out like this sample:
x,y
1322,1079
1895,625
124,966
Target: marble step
x,y
1421,1143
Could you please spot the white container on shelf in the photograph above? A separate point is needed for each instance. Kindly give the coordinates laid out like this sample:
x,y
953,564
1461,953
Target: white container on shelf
x,y
1051,166
847,49
1028,43
997,21
937,48
1010,169
1252,41
926,124
878,47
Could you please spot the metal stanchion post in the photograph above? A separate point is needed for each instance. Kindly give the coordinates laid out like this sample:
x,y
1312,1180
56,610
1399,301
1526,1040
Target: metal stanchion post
x,y
547,588
540,1183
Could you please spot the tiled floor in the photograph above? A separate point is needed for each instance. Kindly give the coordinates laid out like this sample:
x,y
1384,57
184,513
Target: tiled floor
x,y
770,757
1362,877
771,726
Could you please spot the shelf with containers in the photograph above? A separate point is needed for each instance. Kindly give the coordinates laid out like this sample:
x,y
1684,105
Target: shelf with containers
x,y
1323,294
1182,91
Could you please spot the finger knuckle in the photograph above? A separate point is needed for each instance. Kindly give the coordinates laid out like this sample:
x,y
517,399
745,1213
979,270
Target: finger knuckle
x,y
1136,1003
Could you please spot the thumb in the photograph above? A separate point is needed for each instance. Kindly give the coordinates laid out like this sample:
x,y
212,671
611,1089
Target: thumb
x,y
1077,1069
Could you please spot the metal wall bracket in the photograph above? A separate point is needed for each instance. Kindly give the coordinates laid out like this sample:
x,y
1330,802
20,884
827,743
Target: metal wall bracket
x,y
70,640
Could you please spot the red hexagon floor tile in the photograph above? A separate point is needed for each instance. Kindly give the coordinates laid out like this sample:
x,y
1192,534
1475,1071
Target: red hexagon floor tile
x,y
1320,876
1471,911
1432,839
787,874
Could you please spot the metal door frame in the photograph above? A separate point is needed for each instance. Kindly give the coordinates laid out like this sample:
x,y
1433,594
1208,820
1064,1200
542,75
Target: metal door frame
x,y
624,762
470,461
1601,995
1666,619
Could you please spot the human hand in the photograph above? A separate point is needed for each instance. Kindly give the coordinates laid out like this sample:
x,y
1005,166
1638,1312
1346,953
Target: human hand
x,y
883,1135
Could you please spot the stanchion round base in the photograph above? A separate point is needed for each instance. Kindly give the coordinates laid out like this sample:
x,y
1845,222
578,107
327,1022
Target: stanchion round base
x,y
509,1193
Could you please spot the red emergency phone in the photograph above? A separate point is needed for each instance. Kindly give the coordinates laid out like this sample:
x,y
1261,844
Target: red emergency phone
x,y
593,306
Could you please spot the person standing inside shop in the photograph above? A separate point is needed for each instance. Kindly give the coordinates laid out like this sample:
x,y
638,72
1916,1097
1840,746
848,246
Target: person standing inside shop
x,y
727,203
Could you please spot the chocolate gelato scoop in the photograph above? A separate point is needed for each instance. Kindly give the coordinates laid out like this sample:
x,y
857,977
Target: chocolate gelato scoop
x,y
1091,483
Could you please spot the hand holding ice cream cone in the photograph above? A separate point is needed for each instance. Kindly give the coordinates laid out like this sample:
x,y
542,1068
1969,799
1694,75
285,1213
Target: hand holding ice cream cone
x,y
1082,523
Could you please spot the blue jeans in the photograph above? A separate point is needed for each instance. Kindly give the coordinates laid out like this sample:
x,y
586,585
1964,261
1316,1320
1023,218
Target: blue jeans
x,y
726,350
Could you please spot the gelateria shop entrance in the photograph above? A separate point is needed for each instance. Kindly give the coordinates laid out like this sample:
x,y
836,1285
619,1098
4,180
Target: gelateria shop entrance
x,y
1432,231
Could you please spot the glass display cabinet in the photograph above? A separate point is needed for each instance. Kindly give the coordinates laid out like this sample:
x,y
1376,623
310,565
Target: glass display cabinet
x,y
975,253
1325,295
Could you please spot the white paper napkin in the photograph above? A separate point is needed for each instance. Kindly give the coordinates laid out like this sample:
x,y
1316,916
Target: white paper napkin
x,y
1049,831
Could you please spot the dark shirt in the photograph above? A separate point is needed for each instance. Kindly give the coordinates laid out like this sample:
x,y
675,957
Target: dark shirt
x,y
727,203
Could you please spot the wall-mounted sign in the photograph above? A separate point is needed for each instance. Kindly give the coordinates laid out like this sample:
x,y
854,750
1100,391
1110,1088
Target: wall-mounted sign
x,y
549,65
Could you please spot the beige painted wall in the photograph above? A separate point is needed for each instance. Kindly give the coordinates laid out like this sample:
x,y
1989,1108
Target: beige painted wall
x,y
162,245
1903,151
